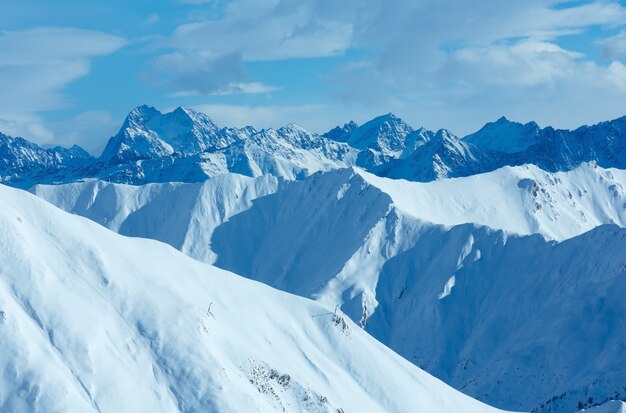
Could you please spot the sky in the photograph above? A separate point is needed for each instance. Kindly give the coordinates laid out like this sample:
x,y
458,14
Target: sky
x,y
71,70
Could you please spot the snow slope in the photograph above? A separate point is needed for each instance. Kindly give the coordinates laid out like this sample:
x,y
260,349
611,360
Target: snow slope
x,y
497,309
522,199
183,215
93,321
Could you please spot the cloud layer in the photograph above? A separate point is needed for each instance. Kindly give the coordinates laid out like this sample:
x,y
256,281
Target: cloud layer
x,y
436,63
441,63
35,65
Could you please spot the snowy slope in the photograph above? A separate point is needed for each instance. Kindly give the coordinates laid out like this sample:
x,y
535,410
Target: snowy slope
x,y
93,321
365,245
497,308
183,215
522,199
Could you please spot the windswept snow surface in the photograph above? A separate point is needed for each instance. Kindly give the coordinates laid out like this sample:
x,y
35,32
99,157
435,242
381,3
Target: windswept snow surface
x,y
401,259
522,199
183,215
94,321
497,334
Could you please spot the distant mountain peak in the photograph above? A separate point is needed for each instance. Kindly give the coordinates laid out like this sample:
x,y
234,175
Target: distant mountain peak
x,y
381,119
248,130
505,136
341,133
150,143
292,127
385,133
140,115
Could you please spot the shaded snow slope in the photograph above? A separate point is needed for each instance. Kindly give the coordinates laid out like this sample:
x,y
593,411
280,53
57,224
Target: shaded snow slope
x,y
497,309
371,245
522,200
183,215
93,321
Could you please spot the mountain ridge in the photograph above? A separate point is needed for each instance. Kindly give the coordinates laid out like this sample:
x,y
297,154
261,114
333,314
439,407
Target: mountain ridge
x,y
185,145
392,253
92,321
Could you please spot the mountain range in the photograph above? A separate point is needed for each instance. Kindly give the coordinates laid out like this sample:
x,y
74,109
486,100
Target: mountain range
x,y
91,321
470,260
477,259
187,146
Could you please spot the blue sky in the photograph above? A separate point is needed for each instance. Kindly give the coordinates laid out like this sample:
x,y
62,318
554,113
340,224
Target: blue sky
x,y
71,70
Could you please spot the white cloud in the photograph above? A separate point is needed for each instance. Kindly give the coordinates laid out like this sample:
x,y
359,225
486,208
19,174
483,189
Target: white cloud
x,y
526,62
89,129
194,2
267,30
615,46
409,44
444,64
28,126
35,65
153,18
262,116
616,75
235,88
201,73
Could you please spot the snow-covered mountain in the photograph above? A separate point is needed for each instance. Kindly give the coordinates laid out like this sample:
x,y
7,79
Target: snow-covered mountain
x,y
147,133
185,145
486,311
179,146
394,253
94,321
23,163
379,140
435,155
512,143
521,200
393,149
478,258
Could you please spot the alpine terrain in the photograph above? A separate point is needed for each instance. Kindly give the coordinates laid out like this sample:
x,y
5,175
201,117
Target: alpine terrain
x,y
376,255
